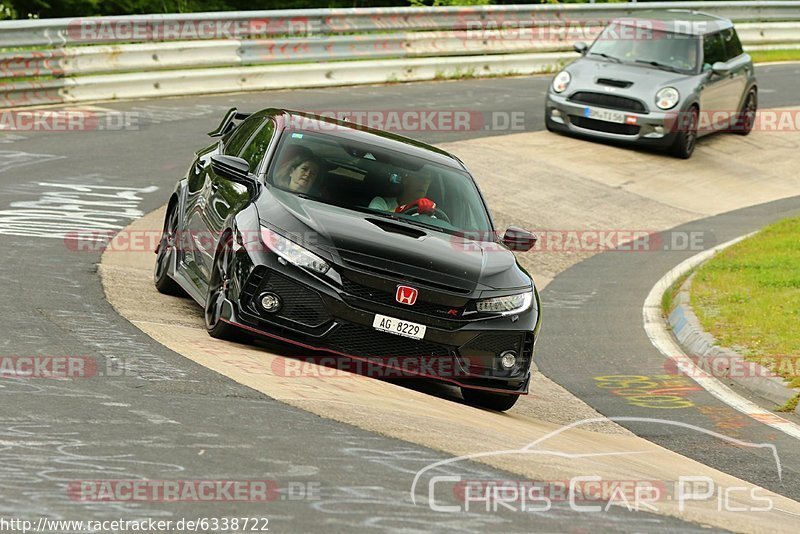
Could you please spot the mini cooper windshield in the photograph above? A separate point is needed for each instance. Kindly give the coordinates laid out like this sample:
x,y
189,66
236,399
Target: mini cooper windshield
x,y
379,181
632,43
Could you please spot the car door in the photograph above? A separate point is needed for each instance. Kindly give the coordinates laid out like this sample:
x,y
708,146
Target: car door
x,y
201,219
716,89
740,72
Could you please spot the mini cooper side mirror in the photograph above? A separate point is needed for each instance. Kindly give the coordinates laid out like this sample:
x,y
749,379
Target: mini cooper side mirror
x,y
720,68
580,47
519,239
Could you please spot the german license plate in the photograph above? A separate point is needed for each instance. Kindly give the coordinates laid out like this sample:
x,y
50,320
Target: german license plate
x,y
398,327
604,115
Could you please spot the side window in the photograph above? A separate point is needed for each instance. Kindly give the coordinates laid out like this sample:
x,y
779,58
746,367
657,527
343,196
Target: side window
x,y
713,49
733,46
238,138
254,151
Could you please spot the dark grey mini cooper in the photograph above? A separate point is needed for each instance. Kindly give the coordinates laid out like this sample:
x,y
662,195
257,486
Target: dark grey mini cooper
x,y
660,79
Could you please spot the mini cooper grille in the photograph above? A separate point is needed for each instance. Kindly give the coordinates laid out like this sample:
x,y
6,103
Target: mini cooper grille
x,y
388,299
299,304
608,101
360,341
603,126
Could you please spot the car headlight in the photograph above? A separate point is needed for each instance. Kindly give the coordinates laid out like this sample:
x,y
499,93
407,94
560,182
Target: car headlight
x,y
507,305
561,81
667,98
292,252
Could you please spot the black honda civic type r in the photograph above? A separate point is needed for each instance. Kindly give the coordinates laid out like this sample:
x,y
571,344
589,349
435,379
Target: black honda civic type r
x,y
359,243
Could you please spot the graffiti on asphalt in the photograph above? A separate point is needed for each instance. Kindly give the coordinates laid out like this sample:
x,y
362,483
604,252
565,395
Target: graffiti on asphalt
x,y
663,392
67,210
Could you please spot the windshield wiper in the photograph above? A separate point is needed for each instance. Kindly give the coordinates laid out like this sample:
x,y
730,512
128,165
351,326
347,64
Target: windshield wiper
x,y
610,58
398,218
406,220
658,65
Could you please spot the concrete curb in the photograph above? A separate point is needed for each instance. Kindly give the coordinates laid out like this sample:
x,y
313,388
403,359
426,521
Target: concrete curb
x,y
722,362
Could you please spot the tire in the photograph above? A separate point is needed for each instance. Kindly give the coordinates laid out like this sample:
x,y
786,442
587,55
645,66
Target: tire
x,y
747,115
166,254
499,402
221,273
686,140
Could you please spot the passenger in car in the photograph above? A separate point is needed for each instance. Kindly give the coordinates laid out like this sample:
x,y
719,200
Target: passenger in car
x,y
414,190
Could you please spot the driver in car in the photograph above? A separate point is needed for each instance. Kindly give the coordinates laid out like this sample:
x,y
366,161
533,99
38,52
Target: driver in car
x,y
413,195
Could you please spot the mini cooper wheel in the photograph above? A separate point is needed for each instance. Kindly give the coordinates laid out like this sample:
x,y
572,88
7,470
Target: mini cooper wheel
x,y
746,117
685,141
166,255
493,401
221,274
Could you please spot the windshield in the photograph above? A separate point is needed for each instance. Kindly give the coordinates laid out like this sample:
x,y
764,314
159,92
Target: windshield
x,y
382,182
633,43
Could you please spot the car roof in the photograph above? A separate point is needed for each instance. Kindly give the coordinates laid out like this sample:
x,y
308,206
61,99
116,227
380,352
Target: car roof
x,y
362,134
681,21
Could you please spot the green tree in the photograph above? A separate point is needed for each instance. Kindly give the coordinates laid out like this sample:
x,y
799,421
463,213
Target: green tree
x,y
7,11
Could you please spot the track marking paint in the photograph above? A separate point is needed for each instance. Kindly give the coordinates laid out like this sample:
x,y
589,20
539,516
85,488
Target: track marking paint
x,y
661,392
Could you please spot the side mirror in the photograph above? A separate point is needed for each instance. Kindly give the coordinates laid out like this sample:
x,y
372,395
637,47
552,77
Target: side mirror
x,y
720,68
518,239
231,168
581,48
234,169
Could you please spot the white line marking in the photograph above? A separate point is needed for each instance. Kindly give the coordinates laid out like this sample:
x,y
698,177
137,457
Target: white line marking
x,y
661,338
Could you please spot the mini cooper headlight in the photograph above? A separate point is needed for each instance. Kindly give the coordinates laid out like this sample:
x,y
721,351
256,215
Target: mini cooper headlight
x,y
507,305
561,81
292,252
667,98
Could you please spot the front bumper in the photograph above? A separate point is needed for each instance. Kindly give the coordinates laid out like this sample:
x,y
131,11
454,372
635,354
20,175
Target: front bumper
x,y
320,315
655,128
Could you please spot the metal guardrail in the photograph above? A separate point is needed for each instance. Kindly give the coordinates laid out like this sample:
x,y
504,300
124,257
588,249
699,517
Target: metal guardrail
x,y
111,54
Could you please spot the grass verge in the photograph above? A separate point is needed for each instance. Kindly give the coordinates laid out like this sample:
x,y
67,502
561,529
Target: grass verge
x,y
748,298
765,56
668,298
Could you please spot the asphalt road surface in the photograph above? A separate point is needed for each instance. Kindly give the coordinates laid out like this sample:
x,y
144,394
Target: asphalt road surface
x,y
168,418
595,343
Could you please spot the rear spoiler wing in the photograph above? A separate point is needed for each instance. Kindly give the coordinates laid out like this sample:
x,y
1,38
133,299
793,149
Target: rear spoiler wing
x,y
227,124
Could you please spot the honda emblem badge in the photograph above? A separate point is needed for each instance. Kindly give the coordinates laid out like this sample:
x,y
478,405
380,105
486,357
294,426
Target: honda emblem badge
x,y
406,295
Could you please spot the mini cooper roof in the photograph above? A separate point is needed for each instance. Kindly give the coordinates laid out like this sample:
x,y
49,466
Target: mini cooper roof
x,y
680,21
